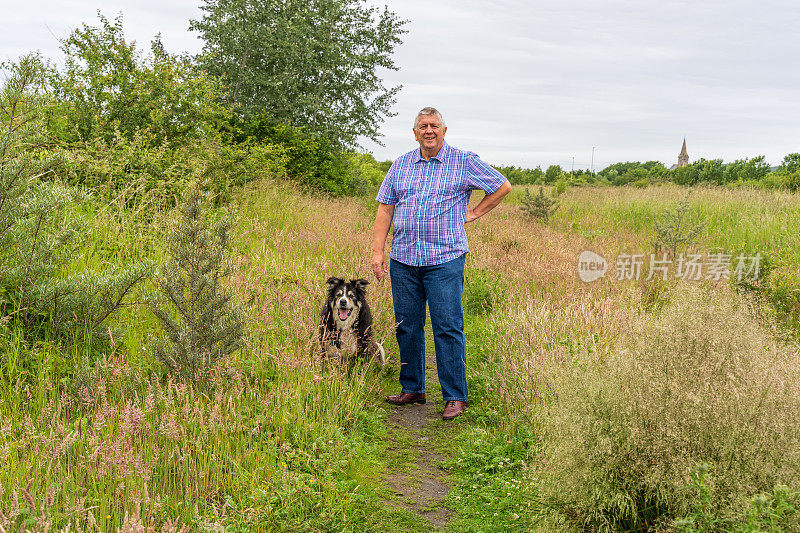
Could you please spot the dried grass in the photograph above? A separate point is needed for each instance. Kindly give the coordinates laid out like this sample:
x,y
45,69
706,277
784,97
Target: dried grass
x,y
701,382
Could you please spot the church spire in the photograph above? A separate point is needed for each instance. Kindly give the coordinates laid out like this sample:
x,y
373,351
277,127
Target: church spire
x,y
683,158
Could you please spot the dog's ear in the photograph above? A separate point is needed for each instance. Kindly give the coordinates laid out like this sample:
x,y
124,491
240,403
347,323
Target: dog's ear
x,y
333,281
359,283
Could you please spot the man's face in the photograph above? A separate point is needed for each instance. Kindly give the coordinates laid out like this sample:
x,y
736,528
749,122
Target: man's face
x,y
430,133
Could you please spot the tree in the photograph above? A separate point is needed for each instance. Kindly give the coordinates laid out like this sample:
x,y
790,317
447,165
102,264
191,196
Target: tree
x,y
631,176
553,174
106,85
687,174
791,162
200,318
712,171
538,207
755,169
311,63
617,169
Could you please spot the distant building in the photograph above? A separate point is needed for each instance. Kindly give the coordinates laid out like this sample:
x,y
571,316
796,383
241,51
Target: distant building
x,y
683,157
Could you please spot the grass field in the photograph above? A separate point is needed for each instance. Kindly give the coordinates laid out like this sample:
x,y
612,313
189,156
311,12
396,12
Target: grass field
x,y
591,405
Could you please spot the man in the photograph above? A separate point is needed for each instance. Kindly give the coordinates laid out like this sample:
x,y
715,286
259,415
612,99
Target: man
x,y
426,194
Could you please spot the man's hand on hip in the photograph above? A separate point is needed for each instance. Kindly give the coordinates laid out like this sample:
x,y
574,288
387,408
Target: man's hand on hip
x,y
488,202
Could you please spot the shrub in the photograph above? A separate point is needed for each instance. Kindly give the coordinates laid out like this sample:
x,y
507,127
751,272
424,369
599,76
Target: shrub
x,y
777,282
553,174
675,230
775,511
790,180
144,175
39,231
538,207
365,173
200,319
221,168
313,161
482,292
136,171
701,383
560,187
630,176
107,87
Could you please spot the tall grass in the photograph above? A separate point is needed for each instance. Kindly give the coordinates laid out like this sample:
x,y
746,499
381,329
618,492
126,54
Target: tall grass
x,y
743,220
606,403
104,438
700,383
626,397
736,221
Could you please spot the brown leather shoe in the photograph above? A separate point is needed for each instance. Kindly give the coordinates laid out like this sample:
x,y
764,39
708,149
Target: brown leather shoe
x,y
453,409
405,398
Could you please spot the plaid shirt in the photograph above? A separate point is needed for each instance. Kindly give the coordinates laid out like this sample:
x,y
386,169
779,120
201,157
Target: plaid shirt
x,y
431,199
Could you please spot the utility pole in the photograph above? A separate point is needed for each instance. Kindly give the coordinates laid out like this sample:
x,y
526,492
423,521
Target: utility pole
x,y
593,148
573,169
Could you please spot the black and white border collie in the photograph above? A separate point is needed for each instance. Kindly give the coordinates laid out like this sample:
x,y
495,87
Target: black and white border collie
x,y
346,322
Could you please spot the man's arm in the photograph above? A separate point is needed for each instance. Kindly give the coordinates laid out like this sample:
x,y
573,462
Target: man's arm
x,y
488,202
383,219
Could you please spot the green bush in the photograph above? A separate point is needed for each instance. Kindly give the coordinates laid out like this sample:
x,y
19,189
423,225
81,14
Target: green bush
x,y
313,161
780,287
107,88
137,170
365,173
144,175
482,292
538,207
702,382
521,176
553,174
792,180
630,176
41,228
784,179
775,511
560,187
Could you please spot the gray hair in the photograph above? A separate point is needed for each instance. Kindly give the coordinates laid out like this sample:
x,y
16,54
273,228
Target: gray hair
x,y
428,111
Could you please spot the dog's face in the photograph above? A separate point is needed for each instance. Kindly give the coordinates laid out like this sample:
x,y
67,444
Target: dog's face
x,y
345,299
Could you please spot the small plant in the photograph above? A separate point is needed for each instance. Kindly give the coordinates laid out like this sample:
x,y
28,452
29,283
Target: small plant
x,y
539,207
772,511
702,517
560,188
777,511
199,318
481,292
675,230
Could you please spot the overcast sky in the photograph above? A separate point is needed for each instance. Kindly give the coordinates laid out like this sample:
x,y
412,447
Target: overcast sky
x,y
536,83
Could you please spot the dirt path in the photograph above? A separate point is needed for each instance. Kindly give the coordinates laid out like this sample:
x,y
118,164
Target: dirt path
x,y
421,440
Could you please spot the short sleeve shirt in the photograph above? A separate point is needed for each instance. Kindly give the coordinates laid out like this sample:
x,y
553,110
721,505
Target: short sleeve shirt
x,y
430,200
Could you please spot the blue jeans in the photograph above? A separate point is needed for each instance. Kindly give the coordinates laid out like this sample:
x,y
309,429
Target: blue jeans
x,y
442,287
